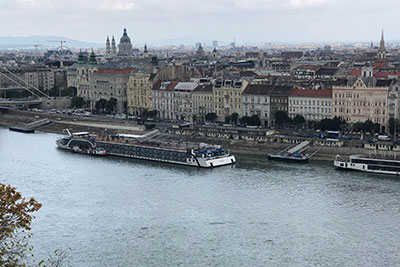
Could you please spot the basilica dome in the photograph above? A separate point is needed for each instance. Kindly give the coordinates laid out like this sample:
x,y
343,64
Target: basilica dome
x,y
125,38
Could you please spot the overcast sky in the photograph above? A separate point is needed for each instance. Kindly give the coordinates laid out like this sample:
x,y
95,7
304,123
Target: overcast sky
x,y
178,21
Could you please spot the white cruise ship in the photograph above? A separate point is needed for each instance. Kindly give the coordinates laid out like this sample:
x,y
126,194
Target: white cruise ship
x,y
369,164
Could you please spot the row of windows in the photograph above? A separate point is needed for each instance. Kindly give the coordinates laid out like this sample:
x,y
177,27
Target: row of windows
x,y
360,103
358,111
313,109
311,102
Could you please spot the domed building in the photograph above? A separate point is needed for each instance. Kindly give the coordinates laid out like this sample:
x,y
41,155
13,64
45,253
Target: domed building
x,y
125,45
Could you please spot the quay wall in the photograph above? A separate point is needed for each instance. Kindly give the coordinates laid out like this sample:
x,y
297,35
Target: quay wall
x,y
255,143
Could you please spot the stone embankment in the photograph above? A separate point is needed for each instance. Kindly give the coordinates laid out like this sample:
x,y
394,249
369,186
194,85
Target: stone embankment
x,y
59,122
104,125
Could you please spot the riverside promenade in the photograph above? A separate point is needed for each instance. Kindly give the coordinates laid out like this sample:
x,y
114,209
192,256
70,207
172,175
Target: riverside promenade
x,y
246,142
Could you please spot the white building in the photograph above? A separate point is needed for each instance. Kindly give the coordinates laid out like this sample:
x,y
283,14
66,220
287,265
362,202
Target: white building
x,y
312,104
183,104
163,99
256,101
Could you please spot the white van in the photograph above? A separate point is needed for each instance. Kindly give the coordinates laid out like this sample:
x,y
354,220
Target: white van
x,y
383,138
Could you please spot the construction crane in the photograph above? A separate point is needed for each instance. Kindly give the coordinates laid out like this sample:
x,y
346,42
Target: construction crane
x,y
58,41
36,46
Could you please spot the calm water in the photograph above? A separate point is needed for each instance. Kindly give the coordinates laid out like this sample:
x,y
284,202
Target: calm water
x,y
121,212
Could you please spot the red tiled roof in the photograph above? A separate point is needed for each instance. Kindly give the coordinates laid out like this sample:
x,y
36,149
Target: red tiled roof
x,y
169,87
157,86
385,74
380,64
311,92
115,71
355,72
256,89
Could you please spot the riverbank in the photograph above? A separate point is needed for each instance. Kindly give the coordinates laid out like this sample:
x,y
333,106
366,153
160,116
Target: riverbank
x,y
104,125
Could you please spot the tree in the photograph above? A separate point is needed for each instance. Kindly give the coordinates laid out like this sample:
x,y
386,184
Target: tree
x,y
152,113
281,117
101,104
211,117
77,102
331,124
111,105
69,91
369,126
54,91
392,123
298,119
228,119
377,128
254,121
244,120
15,221
358,126
234,118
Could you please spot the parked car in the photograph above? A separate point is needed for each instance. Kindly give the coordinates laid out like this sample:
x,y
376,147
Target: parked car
x,y
383,138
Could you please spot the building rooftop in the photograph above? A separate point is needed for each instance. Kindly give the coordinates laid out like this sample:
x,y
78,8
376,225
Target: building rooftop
x,y
115,71
258,89
185,86
311,93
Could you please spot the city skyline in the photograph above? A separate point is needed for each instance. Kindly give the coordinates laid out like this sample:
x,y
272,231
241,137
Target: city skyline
x,y
176,22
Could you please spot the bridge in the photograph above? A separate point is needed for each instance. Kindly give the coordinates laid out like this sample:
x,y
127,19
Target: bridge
x,y
19,83
12,102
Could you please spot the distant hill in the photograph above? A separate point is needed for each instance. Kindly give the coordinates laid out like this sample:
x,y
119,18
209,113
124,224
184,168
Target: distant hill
x,y
45,42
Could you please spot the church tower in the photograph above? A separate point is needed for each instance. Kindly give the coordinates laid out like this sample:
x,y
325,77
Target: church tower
x,y
145,52
113,46
382,49
215,53
108,47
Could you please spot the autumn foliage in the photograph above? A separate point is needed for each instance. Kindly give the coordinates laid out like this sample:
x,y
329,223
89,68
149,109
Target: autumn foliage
x,y
15,221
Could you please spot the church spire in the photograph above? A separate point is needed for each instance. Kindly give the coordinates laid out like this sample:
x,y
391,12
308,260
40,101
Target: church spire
x,y
108,47
382,45
382,49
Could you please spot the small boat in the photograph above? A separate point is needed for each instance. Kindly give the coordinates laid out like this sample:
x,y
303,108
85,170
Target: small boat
x,y
296,157
21,129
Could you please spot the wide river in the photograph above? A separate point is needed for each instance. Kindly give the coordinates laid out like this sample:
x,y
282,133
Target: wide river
x,y
122,212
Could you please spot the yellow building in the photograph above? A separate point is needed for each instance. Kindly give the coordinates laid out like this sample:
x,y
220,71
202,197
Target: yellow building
x,y
361,100
139,91
227,97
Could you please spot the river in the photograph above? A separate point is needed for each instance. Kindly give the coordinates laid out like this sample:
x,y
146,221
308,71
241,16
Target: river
x,y
123,212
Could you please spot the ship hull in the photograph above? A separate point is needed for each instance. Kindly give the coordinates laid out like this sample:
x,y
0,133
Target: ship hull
x,y
288,159
156,154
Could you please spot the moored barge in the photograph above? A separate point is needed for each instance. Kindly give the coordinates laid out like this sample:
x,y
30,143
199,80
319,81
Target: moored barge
x,y
182,153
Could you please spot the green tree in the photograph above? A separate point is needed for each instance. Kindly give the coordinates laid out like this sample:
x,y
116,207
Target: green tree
x,y
228,119
101,105
211,117
377,128
234,118
15,223
369,126
254,121
54,91
331,124
77,102
244,120
392,123
281,117
358,126
111,105
152,113
69,91
298,119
